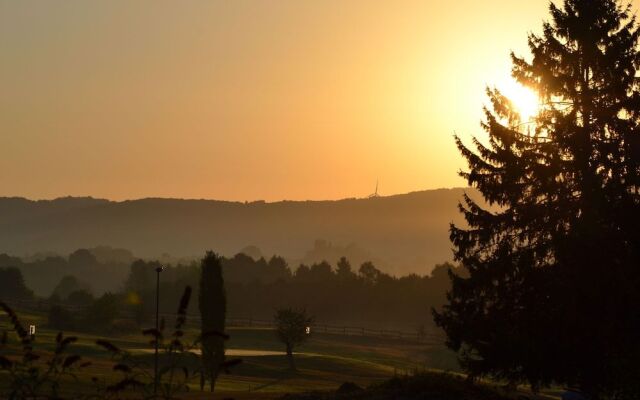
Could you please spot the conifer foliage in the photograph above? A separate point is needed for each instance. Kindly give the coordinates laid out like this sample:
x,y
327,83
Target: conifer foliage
x,y
553,264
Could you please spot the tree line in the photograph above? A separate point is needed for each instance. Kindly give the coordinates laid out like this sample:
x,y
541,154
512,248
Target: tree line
x,y
102,269
335,294
332,293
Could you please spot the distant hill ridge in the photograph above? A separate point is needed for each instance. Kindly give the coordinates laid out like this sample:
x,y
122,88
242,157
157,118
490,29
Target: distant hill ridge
x,y
405,233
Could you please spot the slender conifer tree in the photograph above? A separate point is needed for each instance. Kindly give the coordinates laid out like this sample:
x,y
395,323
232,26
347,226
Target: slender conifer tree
x,y
213,310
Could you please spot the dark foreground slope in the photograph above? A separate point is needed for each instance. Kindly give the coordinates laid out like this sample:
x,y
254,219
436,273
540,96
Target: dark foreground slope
x,y
404,233
430,385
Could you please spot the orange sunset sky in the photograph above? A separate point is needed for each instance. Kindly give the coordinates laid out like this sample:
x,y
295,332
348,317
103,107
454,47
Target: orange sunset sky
x,y
245,100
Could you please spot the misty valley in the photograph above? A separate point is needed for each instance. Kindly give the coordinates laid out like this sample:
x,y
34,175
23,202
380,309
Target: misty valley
x,y
320,200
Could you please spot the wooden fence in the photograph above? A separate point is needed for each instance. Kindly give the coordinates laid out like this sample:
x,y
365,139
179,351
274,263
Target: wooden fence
x,y
418,335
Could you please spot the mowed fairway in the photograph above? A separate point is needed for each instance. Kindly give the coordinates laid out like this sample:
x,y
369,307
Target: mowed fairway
x,y
323,363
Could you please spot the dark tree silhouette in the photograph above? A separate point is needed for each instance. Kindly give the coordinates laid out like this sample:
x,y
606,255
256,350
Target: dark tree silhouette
x,y
213,310
343,270
553,277
141,273
12,286
82,258
67,285
369,272
291,329
100,314
278,269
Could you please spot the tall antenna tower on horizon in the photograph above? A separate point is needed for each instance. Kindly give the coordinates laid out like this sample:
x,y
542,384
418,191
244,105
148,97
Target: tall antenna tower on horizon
x,y
375,194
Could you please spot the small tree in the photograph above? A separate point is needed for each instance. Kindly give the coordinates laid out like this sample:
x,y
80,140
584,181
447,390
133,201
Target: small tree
x,y
291,328
213,312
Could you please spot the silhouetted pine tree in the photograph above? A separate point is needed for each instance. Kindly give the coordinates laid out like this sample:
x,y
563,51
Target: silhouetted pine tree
x,y
553,282
213,310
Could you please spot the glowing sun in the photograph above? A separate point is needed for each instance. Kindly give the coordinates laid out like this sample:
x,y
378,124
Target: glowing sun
x,y
524,99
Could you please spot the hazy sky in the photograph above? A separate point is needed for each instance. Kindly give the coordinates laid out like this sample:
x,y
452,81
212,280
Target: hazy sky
x,y
245,100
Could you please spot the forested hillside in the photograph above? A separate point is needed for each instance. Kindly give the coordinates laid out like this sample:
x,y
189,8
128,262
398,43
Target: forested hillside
x,y
401,234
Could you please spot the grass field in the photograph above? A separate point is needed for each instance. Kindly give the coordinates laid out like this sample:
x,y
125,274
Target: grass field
x,y
323,363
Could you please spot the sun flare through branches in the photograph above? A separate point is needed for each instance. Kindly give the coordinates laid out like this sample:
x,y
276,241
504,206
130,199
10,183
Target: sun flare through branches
x,y
525,100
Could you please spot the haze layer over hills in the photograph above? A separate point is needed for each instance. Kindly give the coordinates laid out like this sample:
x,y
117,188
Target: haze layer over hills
x,y
401,233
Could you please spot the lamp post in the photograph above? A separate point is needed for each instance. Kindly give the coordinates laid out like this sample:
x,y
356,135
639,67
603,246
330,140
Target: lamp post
x,y
155,361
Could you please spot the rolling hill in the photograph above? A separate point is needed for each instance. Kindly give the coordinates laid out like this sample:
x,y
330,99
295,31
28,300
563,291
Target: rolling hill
x,y
402,233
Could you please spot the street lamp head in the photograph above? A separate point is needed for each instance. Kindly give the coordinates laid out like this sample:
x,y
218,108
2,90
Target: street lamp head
x,y
159,269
